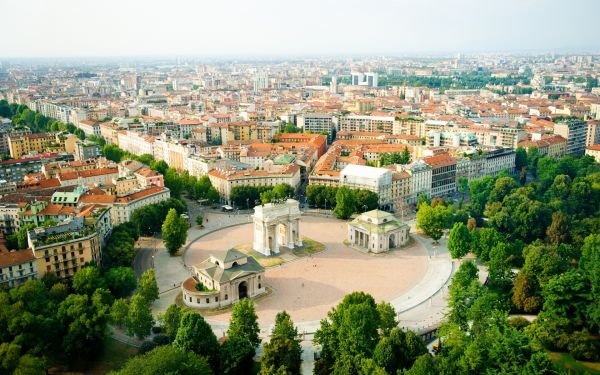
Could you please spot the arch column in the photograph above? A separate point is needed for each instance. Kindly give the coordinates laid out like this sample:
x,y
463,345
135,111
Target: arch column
x,y
298,237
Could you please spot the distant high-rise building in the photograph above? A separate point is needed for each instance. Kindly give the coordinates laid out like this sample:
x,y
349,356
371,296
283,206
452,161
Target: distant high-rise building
x,y
364,79
333,85
261,82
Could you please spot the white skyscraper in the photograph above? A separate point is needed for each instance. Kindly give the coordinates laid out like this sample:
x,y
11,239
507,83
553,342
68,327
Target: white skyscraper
x,y
364,79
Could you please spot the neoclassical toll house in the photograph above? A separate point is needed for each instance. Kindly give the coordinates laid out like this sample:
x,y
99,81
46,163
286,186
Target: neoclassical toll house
x,y
224,278
377,231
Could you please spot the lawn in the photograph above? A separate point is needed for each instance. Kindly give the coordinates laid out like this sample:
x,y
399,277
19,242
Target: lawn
x,y
309,247
113,357
264,261
573,366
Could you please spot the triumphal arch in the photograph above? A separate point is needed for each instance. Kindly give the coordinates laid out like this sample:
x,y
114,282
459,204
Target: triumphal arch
x,y
276,224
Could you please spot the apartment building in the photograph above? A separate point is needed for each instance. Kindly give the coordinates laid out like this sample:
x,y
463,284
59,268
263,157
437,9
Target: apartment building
x,y
86,150
16,267
90,127
15,132
317,123
37,143
443,174
420,180
9,219
64,248
382,124
94,176
378,180
593,133
455,139
15,170
593,151
223,180
553,146
575,132
123,206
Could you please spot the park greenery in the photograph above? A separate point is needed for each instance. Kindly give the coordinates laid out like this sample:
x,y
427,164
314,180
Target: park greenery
x,y
342,200
467,80
360,336
188,345
540,244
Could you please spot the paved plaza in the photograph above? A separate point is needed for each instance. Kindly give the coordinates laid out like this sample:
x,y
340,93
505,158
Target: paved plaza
x,y
310,286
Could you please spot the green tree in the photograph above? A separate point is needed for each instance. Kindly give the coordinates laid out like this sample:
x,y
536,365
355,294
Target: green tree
x,y
139,317
520,158
30,365
174,230
559,228
87,280
345,203
84,321
351,329
195,335
366,200
423,365
283,350
119,312
121,281
147,286
199,220
244,322
433,220
387,317
236,356
166,359
170,320
459,241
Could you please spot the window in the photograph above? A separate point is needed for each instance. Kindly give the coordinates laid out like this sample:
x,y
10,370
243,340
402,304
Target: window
x,y
226,297
216,299
207,300
259,286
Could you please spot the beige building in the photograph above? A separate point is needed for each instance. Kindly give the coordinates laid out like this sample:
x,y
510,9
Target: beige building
x,y
224,180
594,151
16,267
39,143
223,279
377,231
64,248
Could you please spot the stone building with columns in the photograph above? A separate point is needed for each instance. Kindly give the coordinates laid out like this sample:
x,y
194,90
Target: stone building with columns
x,y
276,224
377,231
223,279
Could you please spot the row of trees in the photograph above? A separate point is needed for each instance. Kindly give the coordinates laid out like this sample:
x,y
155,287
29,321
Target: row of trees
x,y
342,200
548,229
388,158
196,188
249,196
189,346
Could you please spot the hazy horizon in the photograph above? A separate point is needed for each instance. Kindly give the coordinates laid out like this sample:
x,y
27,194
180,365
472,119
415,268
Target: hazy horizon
x,y
269,29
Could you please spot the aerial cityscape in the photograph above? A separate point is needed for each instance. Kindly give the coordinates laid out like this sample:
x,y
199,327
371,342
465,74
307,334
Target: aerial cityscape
x,y
240,188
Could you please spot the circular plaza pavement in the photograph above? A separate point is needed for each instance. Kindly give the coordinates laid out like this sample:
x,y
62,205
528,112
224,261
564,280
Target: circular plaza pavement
x,y
310,286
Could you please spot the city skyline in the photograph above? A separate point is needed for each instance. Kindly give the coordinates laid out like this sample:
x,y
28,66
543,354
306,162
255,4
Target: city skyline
x,y
269,29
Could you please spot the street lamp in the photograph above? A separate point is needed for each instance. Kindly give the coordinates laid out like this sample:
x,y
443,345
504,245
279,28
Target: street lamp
x,y
152,261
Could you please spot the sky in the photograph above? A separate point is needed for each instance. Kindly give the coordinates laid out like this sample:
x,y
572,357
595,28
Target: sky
x,y
284,28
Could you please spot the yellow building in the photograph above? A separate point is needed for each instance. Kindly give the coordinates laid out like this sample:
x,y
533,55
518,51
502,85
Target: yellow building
x,y
40,143
65,248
